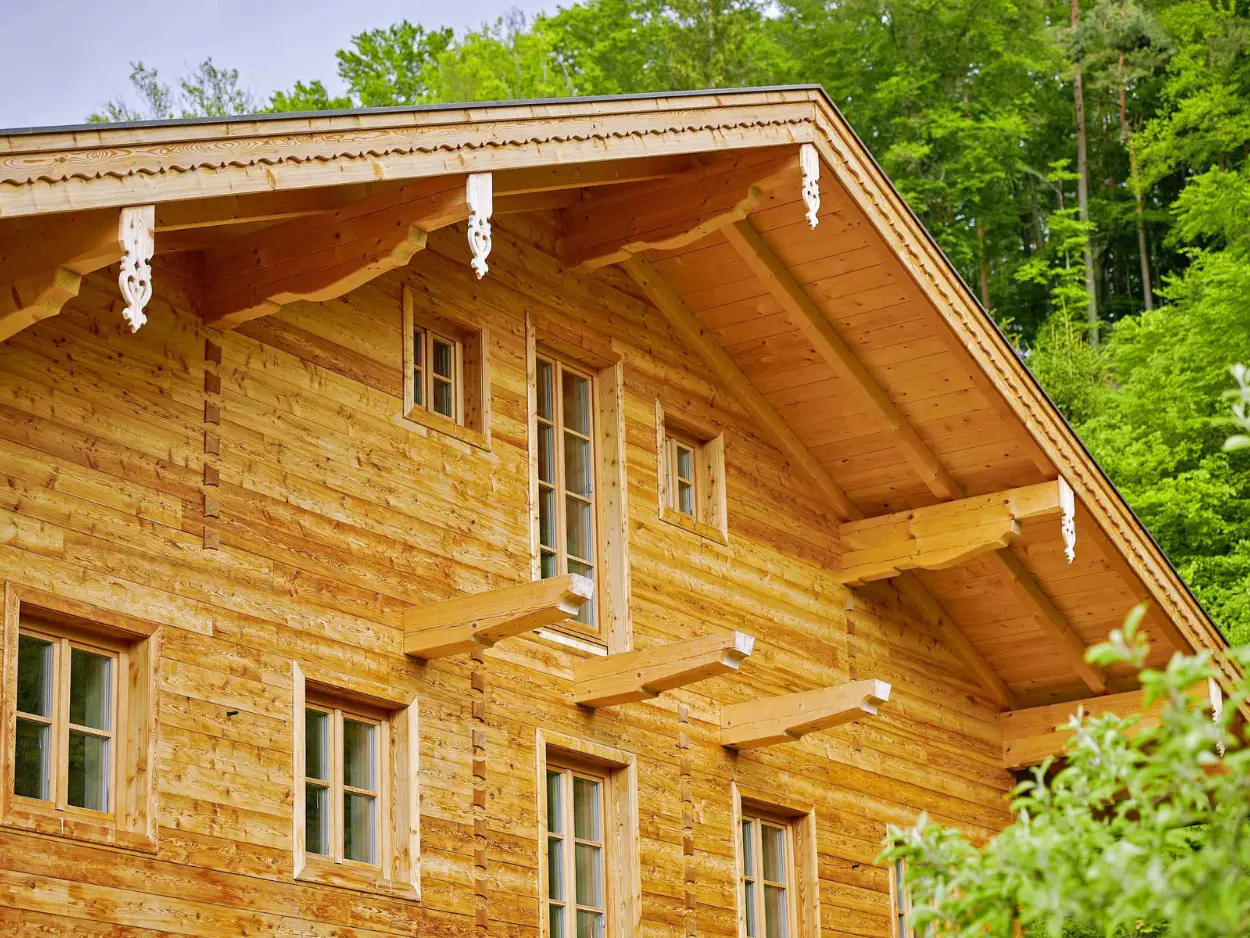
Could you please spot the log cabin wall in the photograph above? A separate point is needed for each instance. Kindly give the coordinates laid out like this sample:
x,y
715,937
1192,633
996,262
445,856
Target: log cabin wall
x,y
328,515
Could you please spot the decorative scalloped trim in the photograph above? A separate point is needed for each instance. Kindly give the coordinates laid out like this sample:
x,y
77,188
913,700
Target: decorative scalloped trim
x,y
1040,417
45,175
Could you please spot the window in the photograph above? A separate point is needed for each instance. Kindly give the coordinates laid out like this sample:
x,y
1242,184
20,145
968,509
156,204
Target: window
x,y
588,818
446,386
576,887
357,814
900,901
566,474
767,878
777,870
692,477
80,725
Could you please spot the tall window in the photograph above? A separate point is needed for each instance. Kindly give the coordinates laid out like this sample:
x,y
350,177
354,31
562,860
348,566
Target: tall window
x,y
901,901
65,739
342,781
566,473
767,878
576,878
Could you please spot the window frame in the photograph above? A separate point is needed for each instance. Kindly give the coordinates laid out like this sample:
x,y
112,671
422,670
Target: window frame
x,y
397,817
900,901
469,379
622,879
134,646
761,819
803,888
710,517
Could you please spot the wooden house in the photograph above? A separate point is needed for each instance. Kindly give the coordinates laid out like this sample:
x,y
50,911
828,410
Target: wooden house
x,y
578,519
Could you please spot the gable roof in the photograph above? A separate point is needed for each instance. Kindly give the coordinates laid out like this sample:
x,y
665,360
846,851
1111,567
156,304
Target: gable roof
x,y
932,403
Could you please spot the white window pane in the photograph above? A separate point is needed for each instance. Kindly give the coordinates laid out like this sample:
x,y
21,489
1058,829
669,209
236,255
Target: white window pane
x,y
555,868
774,854
317,819
578,472
576,399
685,462
546,454
358,755
359,834
317,744
589,924
549,565
685,498
32,749
546,399
90,689
748,905
748,848
555,802
34,676
89,771
775,924
443,359
587,798
580,536
556,913
443,401
589,870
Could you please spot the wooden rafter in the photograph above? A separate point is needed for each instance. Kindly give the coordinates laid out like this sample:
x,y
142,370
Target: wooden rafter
x,y
791,716
626,221
460,625
941,535
697,338
1031,736
640,675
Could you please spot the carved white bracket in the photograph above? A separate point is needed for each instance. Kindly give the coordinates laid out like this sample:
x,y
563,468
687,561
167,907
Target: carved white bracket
x,y
479,194
1067,501
809,162
136,228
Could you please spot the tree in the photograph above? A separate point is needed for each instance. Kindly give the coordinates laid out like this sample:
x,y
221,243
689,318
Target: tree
x,y
208,91
1133,829
1082,169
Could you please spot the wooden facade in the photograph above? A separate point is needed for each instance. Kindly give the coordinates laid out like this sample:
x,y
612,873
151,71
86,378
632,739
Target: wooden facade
x,y
309,502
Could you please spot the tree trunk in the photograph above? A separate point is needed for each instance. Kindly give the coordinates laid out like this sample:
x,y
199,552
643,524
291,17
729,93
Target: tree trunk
x,y
985,268
1082,185
1143,248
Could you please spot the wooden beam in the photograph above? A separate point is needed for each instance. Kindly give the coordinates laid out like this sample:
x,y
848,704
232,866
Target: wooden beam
x,y
565,176
942,535
1031,736
609,229
791,716
700,341
641,675
31,299
460,625
932,612
262,206
1051,621
818,330
323,257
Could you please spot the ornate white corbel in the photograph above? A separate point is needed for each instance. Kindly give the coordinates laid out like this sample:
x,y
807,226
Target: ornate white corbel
x,y
136,227
479,194
1067,501
809,162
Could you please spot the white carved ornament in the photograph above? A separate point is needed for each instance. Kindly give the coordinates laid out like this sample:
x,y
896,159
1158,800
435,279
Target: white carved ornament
x,y
809,162
479,194
136,235
1067,501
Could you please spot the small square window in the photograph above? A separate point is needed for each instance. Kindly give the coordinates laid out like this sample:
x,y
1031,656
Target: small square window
x,y
446,386
82,724
691,477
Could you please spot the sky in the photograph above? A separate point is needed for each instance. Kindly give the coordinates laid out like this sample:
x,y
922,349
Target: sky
x,y
65,58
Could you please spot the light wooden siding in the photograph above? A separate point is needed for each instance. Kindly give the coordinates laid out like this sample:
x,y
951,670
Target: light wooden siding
x,y
334,517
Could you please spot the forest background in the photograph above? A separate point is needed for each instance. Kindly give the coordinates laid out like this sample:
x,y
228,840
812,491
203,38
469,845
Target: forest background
x,y
1085,165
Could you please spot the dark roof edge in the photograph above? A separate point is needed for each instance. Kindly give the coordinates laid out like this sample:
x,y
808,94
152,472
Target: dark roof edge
x,y
395,109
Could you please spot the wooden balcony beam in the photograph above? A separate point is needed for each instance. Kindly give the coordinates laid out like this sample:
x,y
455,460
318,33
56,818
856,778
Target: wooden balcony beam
x,y
943,535
609,227
789,717
460,625
641,675
1031,736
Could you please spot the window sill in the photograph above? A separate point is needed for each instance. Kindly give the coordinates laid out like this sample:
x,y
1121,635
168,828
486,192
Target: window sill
x,y
686,523
356,876
423,421
87,827
579,645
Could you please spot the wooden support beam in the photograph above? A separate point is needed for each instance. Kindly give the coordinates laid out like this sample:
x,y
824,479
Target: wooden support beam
x,y
942,535
932,612
27,301
700,341
818,330
460,625
1051,621
791,716
640,675
623,222
1031,736
565,176
323,257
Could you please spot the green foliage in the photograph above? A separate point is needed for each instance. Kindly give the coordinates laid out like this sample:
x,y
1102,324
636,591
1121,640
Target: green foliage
x,y
1135,835
310,96
208,91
